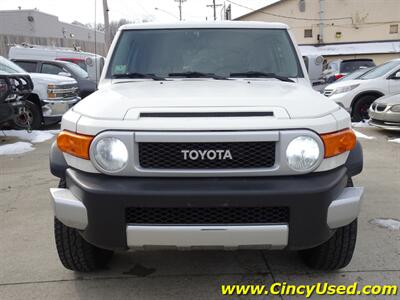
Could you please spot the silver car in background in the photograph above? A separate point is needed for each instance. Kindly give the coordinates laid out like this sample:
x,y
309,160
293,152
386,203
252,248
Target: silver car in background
x,y
385,113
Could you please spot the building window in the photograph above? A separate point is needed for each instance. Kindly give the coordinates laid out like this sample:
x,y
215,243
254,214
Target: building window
x,y
302,5
308,33
394,29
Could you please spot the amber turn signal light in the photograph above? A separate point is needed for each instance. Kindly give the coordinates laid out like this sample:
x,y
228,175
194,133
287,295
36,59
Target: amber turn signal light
x,y
339,142
74,144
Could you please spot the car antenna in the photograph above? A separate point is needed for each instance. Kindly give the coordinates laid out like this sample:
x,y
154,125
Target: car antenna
x,y
95,41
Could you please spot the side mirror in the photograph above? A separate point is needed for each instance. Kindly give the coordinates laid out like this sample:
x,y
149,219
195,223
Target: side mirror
x,y
396,75
66,74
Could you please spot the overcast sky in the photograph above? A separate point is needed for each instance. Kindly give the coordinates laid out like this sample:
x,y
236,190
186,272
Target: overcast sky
x,y
83,10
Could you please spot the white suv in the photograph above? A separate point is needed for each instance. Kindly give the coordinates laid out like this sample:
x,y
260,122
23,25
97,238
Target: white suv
x,y
205,135
356,96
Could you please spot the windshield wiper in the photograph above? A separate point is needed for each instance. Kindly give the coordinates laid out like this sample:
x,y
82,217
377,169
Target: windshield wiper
x,y
194,74
136,75
257,74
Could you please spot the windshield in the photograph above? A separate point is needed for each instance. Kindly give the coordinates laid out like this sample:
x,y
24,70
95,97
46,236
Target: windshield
x,y
212,51
77,70
381,70
10,67
349,66
81,64
354,75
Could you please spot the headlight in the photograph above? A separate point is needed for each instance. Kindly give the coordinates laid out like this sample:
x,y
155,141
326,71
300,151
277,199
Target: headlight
x,y
111,154
395,108
303,153
345,89
50,91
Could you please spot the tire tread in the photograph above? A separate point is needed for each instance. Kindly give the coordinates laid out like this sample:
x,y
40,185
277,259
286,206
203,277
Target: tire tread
x,y
337,252
76,253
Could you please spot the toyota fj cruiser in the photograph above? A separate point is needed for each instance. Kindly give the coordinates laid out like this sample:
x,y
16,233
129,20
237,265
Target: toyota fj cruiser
x,y
205,135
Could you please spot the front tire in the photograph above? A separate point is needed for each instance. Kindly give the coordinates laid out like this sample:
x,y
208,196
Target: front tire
x,y
76,253
32,114
337,252
334,254
361,108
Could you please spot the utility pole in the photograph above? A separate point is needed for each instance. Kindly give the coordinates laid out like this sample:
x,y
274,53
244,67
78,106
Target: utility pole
x,y
214,6
228,13
107,31
321,21
180,8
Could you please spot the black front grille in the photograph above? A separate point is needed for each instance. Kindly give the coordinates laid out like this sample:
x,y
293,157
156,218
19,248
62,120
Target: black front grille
x,y
68,86
207,114
241,155
206,215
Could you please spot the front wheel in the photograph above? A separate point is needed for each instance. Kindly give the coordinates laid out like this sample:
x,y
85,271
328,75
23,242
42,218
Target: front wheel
x,y
30,117
361,108
75,252
336,253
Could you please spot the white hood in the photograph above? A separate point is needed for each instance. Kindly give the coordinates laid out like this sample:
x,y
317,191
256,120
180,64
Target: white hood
x,y
48,78
344,83
114,101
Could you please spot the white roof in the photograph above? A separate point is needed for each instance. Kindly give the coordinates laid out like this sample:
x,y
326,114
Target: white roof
x,y
51,48
208,24
351,49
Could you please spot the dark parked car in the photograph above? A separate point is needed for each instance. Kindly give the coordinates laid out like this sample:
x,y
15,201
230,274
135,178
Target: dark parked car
x,y
86,86
339,68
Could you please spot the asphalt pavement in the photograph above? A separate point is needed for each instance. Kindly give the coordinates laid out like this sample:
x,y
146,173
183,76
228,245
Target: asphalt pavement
x,y
30,268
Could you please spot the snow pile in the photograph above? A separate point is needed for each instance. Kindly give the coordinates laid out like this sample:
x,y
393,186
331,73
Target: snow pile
x,y
362,124
36,136
16,148
391,224
395,141
352,49
363,136
54,131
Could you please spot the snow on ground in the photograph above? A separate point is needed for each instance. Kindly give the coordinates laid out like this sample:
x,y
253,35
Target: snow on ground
x,y
363,136
391,224
395,141
362,124
54,131
36,136
352,48
16,148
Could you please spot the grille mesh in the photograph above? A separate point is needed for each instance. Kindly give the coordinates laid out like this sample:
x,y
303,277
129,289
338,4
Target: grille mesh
x,y
207,215
327,93
170,156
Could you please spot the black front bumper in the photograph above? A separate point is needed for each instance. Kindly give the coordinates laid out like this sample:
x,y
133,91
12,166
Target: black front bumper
x,y
306,196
